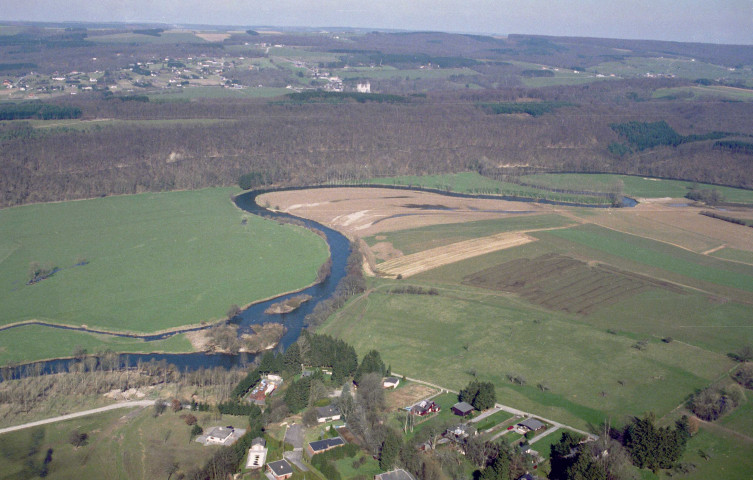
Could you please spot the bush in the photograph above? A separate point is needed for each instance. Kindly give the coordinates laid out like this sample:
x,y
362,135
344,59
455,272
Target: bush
x,y
196,430
78,439
744,375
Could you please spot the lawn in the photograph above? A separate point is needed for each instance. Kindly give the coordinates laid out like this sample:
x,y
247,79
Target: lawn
x,y
640,187
124,443
734,255
741,418
149,262
29,343
587,374
423,238
492,420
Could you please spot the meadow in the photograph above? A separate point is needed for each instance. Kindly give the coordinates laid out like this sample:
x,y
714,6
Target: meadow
x,y
121,444
473,183
149,262
634,186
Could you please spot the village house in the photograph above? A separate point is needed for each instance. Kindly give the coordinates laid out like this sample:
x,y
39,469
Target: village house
x,y
221,436
398,474
324,445
529,425
424,408
390,382
257,454
462,409
327,414
280,470
460,432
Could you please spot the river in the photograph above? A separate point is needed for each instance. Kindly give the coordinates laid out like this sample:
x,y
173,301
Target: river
x,y
339,247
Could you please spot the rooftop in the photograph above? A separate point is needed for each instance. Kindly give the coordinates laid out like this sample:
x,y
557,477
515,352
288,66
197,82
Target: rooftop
x,y
463,407
532,424
327,443
280,467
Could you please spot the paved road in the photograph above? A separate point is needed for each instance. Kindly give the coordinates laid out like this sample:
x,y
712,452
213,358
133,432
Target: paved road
x,y
62,418
515,411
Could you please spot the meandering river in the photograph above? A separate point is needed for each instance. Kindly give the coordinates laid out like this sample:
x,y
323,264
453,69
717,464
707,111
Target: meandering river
x,y
339,247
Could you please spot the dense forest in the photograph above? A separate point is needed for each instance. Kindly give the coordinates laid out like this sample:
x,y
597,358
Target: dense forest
x,y
128,142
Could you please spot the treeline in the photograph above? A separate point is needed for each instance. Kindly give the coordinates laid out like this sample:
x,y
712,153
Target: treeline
x,y
42,111
645,135
727,218
641,444
338,143
352,284
736,146
316,96
534,109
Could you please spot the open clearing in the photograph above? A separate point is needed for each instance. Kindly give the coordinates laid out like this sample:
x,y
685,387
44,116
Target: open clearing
x,y
144,263
409,265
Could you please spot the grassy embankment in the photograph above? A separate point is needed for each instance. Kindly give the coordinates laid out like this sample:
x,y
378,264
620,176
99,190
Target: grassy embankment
x,y
137,447
155,262
473,183
579,369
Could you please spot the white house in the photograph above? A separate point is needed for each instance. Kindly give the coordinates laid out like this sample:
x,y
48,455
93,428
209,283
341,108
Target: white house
x,y
257,454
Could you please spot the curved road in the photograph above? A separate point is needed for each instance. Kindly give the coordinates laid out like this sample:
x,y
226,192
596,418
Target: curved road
x,y
61,418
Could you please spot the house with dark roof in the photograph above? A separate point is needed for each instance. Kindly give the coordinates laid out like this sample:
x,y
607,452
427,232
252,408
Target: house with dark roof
x,y
327,414
462,409
398,474
530,425
280,469
324,445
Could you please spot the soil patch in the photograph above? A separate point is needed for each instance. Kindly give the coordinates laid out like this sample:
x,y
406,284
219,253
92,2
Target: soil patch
x,y
367,211
289,305
408,395
416,263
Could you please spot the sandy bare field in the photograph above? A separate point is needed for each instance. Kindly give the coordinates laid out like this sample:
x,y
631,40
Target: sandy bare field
x,y
416,263
362,212
683,226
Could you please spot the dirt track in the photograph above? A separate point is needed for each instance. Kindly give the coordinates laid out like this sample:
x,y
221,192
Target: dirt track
x,y
436,257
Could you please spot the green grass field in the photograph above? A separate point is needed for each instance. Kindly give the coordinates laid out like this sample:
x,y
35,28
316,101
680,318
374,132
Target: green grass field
x,y
444,339
696,92
492,420
155,261
472,182
140,447
419,239
640,187
33,342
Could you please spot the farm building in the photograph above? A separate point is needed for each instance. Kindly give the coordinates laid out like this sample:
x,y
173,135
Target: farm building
x,y
425,408
221,436
462,409
398,474
530,425
257,454
280,469
327,414
390,382
324,445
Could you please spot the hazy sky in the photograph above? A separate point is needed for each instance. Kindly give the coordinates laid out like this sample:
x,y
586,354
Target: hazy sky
x,y
713,21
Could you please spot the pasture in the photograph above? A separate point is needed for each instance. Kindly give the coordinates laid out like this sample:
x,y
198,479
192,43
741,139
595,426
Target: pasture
x,y
150,262
572,372
125,443
634,186
29,343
